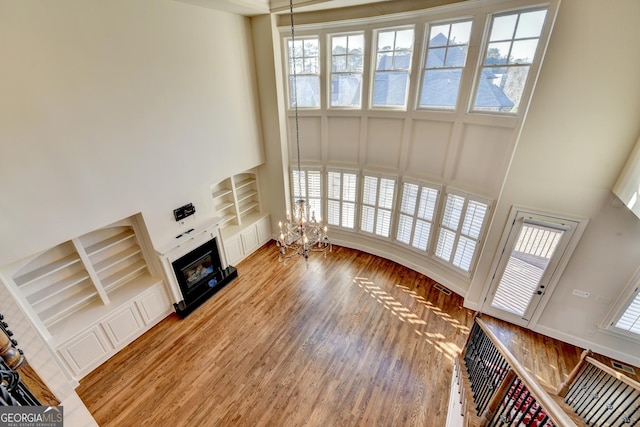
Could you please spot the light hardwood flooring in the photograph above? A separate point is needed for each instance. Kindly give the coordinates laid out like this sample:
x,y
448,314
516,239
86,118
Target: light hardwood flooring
x,y
351,340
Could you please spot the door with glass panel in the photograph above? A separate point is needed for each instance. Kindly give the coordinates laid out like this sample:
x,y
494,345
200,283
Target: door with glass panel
x,y
529,266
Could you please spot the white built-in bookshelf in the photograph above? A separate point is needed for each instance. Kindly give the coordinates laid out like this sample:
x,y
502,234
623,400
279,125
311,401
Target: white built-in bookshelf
x,y
236,198
243,225
100,285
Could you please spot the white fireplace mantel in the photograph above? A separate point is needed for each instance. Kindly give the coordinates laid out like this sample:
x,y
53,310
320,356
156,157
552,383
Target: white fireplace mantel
x,y
184,244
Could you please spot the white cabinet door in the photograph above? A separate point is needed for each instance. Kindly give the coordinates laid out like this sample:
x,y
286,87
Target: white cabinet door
x,y
250,240
264,230
234,249
154,305
86,351
123,325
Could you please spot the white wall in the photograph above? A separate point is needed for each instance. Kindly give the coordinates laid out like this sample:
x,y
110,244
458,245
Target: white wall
x,y
115,107
581,126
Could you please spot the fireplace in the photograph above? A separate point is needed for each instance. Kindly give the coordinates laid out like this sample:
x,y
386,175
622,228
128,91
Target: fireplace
x,y
200,274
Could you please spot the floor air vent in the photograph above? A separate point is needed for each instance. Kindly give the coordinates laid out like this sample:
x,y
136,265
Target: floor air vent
x,y
442,289
625,368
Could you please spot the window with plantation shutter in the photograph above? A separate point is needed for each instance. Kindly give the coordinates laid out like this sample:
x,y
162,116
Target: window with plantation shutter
x,y
461,227
630,319
341,198
417,209
624,316
308,185
378,195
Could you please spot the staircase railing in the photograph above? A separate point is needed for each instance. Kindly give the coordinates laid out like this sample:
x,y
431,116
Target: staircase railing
x,y
504,393
601,395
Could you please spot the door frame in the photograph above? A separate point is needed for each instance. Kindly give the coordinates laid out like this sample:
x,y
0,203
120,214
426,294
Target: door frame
x,y
579,225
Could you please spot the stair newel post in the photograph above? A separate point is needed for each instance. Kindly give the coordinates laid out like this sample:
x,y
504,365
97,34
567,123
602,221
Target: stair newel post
x,y
498,397
564,387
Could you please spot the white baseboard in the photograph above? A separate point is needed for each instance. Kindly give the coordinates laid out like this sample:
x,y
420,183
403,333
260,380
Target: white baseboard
x,y
396,256
579,342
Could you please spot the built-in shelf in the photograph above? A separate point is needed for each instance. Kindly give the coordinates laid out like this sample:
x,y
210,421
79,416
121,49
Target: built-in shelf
x,y
59,282
122,276
121,256
58,287
92,295
236,197
46,270
221,193
67,306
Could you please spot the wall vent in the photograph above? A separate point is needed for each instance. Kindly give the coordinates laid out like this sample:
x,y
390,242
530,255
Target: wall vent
x,y
442,289
624,368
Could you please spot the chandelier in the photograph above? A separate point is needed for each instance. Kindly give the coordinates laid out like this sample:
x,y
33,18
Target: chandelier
x,y
301,233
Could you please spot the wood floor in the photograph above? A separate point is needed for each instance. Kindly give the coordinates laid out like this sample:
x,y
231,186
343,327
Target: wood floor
x,y
351,340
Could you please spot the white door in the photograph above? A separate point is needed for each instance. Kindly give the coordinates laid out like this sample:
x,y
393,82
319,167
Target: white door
x,y
531,262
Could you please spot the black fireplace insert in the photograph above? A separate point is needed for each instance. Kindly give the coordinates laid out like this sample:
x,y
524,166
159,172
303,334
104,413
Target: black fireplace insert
x,y
200,275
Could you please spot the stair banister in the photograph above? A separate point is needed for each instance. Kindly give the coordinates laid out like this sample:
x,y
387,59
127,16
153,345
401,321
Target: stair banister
x,y
554,411
564,387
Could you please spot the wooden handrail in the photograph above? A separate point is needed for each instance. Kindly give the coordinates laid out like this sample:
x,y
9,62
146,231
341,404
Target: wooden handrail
x,y
621,377
554,411
564,387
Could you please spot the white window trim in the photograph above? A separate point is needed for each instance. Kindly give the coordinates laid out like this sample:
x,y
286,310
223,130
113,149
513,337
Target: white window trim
x,y
287,70
356,202
372,72
620,305
435,226
481,237
467,70
329,67
534,67
394,205
319,215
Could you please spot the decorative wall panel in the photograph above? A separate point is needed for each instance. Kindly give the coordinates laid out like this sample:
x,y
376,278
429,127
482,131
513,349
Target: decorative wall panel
x,y
483,157
384,138
310,137
427,154
343,140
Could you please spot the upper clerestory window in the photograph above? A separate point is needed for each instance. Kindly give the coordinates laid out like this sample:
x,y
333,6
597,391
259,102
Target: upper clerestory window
x,y
509,53
447,48
394,48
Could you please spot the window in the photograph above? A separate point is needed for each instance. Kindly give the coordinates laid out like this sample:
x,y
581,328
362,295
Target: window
x,y
377,203
393,62
341,198
624,316
417,209
630,318
304,64
460,229
510,51
446,57
308,187
347,52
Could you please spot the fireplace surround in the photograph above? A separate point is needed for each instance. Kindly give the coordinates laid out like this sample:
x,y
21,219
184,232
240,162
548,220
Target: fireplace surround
x,y
196,267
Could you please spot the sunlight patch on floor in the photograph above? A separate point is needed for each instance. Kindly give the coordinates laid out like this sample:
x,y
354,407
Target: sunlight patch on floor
x,y
437,340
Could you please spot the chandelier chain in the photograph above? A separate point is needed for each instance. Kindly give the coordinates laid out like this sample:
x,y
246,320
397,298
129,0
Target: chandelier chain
x,y
295,93
301,233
